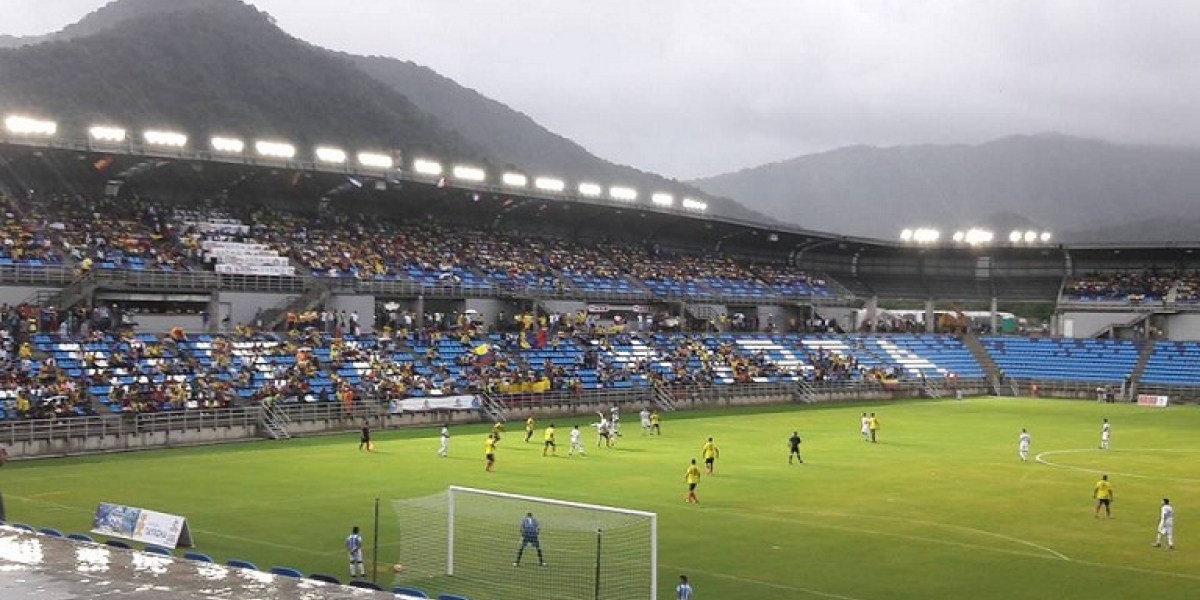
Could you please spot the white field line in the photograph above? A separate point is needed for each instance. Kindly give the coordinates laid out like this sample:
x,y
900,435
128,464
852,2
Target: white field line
x,y
1041,459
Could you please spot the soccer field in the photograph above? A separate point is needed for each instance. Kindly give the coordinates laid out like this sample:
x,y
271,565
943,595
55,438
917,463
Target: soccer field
x,y
941,507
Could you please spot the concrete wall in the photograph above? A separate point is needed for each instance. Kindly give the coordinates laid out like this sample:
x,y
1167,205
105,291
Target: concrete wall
x,y
489,309
16,294
1087,324
163,323
364,304
244,305
564,306
1184,327
775,315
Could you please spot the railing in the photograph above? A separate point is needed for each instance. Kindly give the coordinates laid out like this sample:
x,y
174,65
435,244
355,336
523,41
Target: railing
x,y
56,275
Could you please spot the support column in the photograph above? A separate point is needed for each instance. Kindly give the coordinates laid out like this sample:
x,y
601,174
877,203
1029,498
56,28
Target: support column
x,y
995,316
419,319
873,314
930,318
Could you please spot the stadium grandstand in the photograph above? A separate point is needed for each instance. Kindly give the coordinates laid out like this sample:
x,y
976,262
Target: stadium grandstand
x,y
149,290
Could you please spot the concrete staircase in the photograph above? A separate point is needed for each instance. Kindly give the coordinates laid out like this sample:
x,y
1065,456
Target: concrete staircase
x,y
1135,377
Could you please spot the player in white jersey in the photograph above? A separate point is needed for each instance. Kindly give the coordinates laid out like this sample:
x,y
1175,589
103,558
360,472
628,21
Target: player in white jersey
x,y
1023,445
614,421
1166,525
445,449
354,546
1105,432
866,427
645,415
576,444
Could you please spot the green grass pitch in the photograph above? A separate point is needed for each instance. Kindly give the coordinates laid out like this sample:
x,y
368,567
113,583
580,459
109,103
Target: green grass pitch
x,y
941,507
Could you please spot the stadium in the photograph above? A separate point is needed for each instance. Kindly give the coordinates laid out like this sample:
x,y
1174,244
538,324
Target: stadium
x,y
226,352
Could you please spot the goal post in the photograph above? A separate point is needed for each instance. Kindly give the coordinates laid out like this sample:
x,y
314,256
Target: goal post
x,y
467,541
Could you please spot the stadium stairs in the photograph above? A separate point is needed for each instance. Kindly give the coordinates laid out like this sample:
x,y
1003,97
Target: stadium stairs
x,y
991,371
1135,377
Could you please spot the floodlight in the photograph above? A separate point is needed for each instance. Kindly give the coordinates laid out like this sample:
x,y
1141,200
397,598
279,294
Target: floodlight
x,y
1014,237
590,189
697,205
549,184
959,236
104,133
466,173
274,149
906,235
1045,237
331,155
976,236
662,199
227,145
1031,236
376,160
20,125
170,139
926,235
427,167
515,180
623,193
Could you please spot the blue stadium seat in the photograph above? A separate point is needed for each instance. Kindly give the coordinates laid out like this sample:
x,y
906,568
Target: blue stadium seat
x,y
366,585
118,544
79,537
324,578
152,549
198,557
451,597
50,532
237,563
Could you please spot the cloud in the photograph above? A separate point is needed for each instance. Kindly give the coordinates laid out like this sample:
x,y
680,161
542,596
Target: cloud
x,y
697,87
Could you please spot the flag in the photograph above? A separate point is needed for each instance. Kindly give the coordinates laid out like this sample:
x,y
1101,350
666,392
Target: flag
x,y
482,349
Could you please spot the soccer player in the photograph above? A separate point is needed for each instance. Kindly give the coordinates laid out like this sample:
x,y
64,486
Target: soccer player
x,y
710,453
655,422
489,452
576,444
873,426
1023,445
615,421
354,545
549,445
530,425
866,428
364,440
445,449
683,591
692,477
794,444
497,429
1105,432
530,530
1166,525
645,415
1104,496
604,432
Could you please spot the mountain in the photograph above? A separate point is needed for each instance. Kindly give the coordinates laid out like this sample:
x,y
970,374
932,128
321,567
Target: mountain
x,y
208,67
1077,188
221,65
505,133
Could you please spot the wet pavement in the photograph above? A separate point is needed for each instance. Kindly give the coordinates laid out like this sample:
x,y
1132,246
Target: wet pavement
x,y
40,567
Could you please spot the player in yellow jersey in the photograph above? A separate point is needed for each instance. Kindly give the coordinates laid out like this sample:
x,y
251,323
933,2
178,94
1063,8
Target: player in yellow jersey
x,y
1104,496
530,425
497,429
549,447
692,477
655,419
873,426
710,453
489,451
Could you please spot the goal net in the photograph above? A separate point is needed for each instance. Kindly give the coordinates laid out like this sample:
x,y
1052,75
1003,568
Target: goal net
x,y
466,541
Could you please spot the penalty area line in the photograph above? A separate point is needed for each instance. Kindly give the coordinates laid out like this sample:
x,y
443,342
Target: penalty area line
x,y
1041,458
770,584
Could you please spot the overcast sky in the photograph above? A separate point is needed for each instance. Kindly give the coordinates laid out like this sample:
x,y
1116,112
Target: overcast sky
x,y
691,88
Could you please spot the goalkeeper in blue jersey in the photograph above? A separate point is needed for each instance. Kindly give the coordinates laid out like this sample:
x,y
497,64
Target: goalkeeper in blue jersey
x,y
530,530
